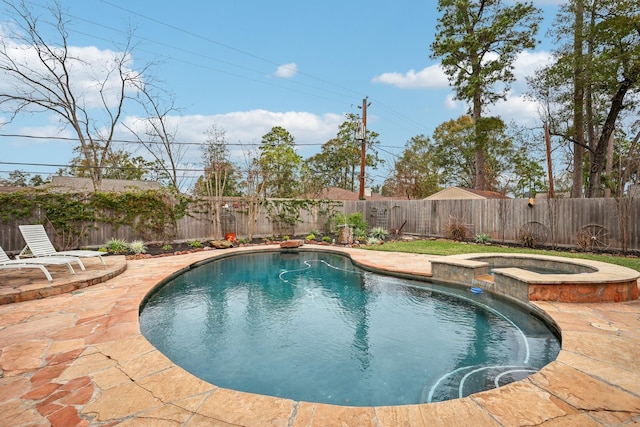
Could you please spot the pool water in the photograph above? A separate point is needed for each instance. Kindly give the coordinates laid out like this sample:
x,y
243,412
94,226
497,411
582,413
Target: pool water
x,y
539,270
310,326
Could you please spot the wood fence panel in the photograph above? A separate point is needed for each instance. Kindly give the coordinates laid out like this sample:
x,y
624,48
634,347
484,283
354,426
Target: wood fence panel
x,y
500,219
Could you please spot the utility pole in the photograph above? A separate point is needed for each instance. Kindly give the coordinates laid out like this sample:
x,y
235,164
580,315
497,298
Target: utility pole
x,y
363,149
547,139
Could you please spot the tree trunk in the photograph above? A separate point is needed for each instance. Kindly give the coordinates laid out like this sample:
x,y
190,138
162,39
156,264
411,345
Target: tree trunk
x,y
599,155
609,167
578,102
481,181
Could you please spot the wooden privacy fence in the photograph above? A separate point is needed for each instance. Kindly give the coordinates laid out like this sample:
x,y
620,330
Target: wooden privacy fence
x,y
616,222
554,222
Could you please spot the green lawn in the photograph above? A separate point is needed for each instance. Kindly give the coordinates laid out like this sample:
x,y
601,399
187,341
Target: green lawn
x,y
447,247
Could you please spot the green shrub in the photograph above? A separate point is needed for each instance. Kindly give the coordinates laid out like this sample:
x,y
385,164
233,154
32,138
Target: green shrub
x,y
483,238
355,221
194,244
117,246
359,235
379,233
310,236
373,241
137,247
167,247
326,239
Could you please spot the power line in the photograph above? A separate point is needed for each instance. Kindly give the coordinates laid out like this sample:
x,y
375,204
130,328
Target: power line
x,y
152,169
249,54
226,46
126,141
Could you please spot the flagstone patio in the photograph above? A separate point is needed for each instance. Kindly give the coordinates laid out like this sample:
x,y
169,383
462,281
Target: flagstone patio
x,y
78,359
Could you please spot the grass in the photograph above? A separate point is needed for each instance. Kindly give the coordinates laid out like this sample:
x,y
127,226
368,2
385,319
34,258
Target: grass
x,y
448,247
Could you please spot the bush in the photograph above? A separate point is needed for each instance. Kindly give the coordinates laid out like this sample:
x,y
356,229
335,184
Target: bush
x,y
167,247
379,233
457,230
194,244
310,236
483,238
373,241
359,235
117,246
137,247
355,221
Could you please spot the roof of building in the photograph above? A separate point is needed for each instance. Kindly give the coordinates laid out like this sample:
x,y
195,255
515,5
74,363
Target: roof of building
x,y
72,184
335,193
465,193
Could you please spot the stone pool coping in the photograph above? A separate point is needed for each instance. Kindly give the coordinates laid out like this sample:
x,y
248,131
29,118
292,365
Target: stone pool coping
x,y
79,359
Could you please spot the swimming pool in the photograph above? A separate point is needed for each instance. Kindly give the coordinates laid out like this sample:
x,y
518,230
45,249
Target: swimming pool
x,y
310,326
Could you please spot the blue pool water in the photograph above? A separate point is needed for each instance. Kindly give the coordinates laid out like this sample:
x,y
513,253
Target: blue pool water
x,y
312,327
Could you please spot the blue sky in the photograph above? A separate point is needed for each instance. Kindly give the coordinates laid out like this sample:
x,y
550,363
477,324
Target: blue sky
x,y
250,65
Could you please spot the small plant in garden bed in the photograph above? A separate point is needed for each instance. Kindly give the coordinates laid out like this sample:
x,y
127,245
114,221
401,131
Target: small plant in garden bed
x,y
456,229
167,247
310,236
373,241
483,238
194,244
379,233
137,247
117,246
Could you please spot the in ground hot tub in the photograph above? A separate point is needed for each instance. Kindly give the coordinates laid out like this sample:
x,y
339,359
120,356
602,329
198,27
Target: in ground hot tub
x,y
563,280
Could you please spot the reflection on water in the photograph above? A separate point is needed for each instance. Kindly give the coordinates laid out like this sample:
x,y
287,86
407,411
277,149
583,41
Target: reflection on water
x,y
311,326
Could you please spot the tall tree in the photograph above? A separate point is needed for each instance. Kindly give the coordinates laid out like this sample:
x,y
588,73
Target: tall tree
x,y
42,72
454,152
477,42
415,173
116,164
220,177
578,99
219,174
156,132
590,87
338,162
279,164
618,65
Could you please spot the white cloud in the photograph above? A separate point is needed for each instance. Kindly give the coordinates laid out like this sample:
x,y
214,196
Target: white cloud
x,y
247,127
451,103
430,77
517,108
286,71
528,62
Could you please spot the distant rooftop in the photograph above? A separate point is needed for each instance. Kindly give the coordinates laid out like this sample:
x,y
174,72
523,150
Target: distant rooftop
x,y
66,184
465,193
334,193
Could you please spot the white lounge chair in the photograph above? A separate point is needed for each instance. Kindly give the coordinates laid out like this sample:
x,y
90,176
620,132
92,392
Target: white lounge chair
x,y
39,245
6,263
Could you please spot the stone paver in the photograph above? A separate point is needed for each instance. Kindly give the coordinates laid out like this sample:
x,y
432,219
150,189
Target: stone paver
x,y
78,359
